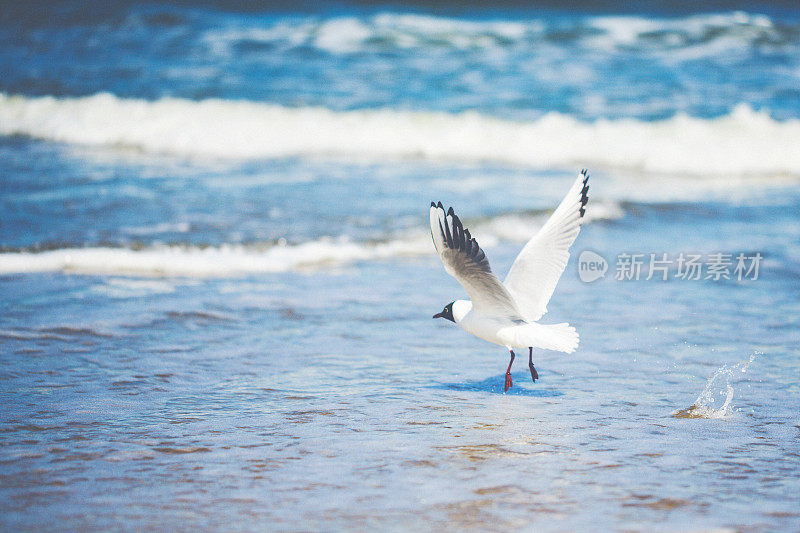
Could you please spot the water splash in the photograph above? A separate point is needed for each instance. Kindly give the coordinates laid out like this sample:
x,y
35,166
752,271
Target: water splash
x,y
715,400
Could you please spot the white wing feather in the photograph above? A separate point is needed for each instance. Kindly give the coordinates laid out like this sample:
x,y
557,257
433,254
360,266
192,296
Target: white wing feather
x,y
538,267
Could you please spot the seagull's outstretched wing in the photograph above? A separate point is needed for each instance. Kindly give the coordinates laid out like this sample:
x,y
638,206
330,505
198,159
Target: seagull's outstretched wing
x,y
538,267
464,260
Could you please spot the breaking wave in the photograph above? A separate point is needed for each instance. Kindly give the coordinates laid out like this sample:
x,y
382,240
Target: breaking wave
x,y
702,33
236,260
220,261
744,142
194,261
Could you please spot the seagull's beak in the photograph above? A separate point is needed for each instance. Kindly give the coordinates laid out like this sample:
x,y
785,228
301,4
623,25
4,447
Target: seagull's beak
x,y
438,315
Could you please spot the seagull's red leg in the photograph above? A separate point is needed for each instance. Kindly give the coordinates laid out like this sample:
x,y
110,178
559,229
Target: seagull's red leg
x,y
508,372
534,373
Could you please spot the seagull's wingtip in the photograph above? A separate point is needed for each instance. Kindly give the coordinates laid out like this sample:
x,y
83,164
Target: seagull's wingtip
x,y
584,192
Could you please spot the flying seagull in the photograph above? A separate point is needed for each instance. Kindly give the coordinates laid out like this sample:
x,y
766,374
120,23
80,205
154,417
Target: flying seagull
x,y
506,313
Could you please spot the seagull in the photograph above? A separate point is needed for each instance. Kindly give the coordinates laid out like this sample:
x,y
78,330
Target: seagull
x,y
506,313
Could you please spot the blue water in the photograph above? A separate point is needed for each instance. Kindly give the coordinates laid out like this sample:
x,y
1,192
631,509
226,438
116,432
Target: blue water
x,y
216,280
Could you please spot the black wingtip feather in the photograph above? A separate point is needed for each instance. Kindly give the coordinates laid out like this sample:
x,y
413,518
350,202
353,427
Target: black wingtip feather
x,y
460,239
448,237
433,204
584,191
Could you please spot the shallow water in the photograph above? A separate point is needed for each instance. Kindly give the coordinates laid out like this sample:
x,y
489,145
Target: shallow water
x,y
244,341
258,400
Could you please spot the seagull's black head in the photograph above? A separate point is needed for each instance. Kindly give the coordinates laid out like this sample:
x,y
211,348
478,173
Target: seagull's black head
x,y
447,313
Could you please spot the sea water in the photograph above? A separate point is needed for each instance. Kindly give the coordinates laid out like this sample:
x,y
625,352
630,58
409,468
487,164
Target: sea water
x,y
216,277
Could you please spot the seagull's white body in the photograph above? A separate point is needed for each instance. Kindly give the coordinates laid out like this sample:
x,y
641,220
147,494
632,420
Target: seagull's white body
x,y
507,313
511,334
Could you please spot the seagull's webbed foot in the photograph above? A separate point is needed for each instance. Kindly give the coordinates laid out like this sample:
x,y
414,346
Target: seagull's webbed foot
x,y
534,373
509,383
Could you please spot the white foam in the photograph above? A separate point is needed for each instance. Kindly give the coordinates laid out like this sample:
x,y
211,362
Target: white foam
x,y
347,34
236,260
624,30
132,288
342,35
189,261
163,227
708,35
746,142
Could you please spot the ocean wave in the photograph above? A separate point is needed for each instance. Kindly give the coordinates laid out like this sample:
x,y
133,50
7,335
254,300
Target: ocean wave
x,y
193,261
237,260
351,34
346,34
744,142
701,34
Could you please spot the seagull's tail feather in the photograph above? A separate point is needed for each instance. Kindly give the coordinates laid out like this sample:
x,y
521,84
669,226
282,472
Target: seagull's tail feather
x,y
558,337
